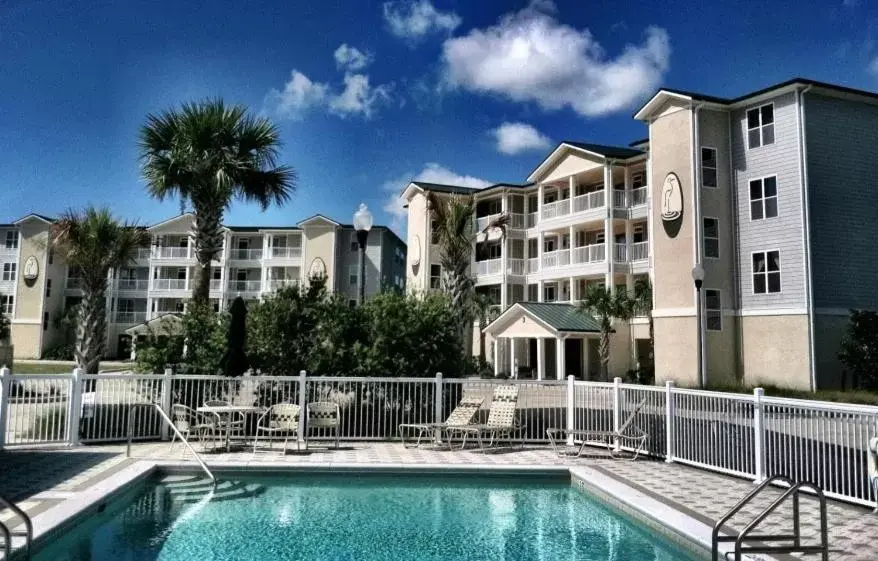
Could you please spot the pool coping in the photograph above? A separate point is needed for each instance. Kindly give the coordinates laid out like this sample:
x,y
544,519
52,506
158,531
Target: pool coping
x,y
681,529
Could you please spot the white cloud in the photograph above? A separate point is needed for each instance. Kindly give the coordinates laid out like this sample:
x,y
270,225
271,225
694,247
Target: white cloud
x,y
351,58
432,173
414,20
358,97
531,56
298,96
514,138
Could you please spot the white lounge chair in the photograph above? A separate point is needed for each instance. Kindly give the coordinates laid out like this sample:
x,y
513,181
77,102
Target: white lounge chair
x,y
462,415
325,415
281,419
502,420
190,422
628,433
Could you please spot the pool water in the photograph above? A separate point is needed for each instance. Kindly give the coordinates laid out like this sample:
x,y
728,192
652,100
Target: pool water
x,y
360,517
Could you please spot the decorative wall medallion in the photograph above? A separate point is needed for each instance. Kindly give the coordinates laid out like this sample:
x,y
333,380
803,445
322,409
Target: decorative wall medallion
x,y
672,205
317,268
31,269
415,251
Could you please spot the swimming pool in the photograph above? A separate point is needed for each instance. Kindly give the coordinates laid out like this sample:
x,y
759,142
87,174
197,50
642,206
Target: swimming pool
x,y
363,517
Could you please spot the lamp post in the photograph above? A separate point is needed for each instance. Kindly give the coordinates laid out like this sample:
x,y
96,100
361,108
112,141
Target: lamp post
x,y
698,277
362,224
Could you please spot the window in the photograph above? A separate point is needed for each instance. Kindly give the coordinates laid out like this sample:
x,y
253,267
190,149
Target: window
x,y
708,167
243,243
533,292
48,287
9,271
51,255
766,272
710,235
181,274
352,275
45,321
494,251
760,126
550,293
435,276
434,232
11,239
7,303
763,198
713,310
216,274
638,180
354,245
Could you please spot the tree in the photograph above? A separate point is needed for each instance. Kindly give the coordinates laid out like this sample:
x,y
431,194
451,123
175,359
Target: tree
x,y
859,349
4,327
642,305
606,306
235,361
454,226
205,333
485,312
94,242
208,154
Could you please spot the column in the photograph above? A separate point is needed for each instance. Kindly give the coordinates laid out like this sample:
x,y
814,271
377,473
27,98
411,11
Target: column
x,y
571,235
541,239
585,372
572,289
540,191
504,293
496,357
572,186
540,286
629,198
559,358
609,238
541,358
512,372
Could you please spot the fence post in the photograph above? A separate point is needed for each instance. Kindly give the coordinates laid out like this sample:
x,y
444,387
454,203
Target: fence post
x,y
759,434
437,407
669,421
167,400
74,411
571,405
5,388
617,409
303,387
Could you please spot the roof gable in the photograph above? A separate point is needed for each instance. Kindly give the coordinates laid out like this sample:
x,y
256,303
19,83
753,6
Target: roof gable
x,y
318,220
554,319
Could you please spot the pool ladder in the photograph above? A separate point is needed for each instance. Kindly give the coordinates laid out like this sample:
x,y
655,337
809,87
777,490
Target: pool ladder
x,y
793,489
7,533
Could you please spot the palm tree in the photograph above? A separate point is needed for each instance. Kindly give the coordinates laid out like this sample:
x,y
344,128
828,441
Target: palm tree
x,y
95,243
454,226
642,304
209,153
606,306
483,309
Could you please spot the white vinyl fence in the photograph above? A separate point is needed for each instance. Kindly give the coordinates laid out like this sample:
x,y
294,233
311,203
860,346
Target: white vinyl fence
x,y
750,436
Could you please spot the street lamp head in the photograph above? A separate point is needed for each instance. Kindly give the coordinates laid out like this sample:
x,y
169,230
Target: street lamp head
x,y
363,219
698,275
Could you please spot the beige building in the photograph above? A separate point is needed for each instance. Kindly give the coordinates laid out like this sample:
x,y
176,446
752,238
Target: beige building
x,y
36,287
768,193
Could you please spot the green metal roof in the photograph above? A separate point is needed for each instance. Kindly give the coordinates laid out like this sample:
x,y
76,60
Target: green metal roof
x,y
562,317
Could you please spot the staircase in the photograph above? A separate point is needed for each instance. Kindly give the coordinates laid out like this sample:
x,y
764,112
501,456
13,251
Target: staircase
x,y
190,489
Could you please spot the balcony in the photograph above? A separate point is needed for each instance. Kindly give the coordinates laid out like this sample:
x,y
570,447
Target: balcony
x,y
553,259
620,253
246,254
133,284
285,253
245,285
169,284
556,209
130,317
639,251
533,265
488,267
142,253
588,201
638,196
515,266
73,283
593,253
531,219
216,284
277,284
171,252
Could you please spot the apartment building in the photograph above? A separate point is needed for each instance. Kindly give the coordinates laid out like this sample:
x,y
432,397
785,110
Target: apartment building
x,y
769,193
255,260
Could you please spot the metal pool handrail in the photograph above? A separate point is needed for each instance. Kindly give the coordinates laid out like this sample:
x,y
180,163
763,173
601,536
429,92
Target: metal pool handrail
x,y
170,423
28,528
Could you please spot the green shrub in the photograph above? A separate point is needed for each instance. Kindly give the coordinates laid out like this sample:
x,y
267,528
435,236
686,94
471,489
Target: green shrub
x,y
859,349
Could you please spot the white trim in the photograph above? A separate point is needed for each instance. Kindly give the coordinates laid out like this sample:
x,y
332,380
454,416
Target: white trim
x,y
750,199
508,312
760,127
774,312
318,218
718,239
19,321
172,219
752,272
806,228
715,168
673,312
660,96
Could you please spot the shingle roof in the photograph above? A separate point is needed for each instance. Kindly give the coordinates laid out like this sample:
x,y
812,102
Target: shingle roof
x,y
608,151
562,317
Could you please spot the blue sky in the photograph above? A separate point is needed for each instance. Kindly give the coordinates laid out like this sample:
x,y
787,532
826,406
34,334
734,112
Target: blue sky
x,y
368,95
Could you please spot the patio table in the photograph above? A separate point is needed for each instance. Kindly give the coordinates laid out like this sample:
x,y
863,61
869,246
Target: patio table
x,y
225,412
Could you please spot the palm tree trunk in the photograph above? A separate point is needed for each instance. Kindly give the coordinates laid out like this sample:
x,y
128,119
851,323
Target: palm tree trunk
x,y
208,237
481,340
459,290
91,326
651,338
604,351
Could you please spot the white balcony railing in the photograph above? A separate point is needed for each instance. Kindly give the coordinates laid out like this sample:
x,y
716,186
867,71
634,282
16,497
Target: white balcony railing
x,y
488,267
169,284
531,219
276,284
482,222
558,258
533,265
620,252
285,252
639,251
216,284
638,196
245,285
619,199
142,253
172,252
516,221
73,283
588,201
556,209
130,317
133,284
589,253
515,266
245,254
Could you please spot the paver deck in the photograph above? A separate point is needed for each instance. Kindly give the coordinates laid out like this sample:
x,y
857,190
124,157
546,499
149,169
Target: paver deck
x,y
41,479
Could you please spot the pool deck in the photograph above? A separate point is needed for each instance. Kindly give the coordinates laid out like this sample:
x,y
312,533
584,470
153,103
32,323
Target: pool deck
x,y
52,485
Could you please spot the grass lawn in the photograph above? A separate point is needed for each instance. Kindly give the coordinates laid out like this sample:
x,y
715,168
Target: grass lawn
x,y
860,397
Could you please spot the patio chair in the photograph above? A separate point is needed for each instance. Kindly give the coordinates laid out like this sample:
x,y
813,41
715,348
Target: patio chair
x,y
873,466
188,422
462,415
502,420
325,415
234,422
628,433
281,419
